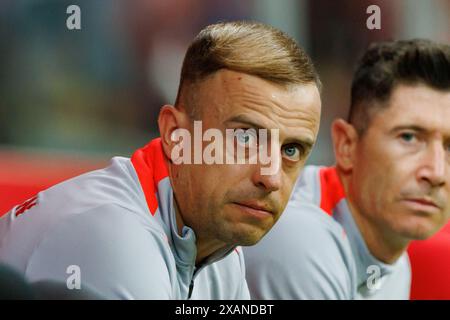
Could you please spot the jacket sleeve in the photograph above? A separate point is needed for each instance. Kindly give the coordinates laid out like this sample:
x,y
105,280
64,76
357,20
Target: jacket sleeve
x,y
106,250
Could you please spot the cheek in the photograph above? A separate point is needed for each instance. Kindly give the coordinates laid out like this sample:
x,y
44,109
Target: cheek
x,y
368,188
286,190
379,191
210,183
446,216
283,195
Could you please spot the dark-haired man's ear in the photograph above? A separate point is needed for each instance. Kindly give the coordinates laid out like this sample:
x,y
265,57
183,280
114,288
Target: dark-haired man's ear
x,y
169,120
345,138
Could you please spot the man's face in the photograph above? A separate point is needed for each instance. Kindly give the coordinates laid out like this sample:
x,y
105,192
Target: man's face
x,y
401,173
236,203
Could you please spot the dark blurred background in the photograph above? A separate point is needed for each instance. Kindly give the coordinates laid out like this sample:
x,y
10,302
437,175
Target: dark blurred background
x,y
72,99
97,91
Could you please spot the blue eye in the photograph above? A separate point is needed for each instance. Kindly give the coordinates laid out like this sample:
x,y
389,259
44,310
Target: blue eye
x,y
246,137
407,136
292,152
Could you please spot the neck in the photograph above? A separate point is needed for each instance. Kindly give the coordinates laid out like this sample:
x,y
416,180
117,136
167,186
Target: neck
x,y
383,244
205,247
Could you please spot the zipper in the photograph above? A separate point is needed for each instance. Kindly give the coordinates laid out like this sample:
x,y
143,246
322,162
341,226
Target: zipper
x,y
191,287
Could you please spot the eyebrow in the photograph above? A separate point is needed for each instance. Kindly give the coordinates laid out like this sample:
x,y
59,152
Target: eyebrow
x,y
413,127
306,142
245,120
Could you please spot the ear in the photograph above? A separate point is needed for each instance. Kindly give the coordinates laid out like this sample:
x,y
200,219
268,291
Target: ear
x,y
345,139
170,119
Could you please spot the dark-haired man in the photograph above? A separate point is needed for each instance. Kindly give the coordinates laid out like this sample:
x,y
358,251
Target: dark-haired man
x,y
152,227
346,229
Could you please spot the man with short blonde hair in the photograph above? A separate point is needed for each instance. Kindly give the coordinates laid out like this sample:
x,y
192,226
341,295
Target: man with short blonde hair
x,y
151,227
251,48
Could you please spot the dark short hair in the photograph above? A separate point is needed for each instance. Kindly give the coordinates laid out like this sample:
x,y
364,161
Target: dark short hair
x,y
386,64
249,47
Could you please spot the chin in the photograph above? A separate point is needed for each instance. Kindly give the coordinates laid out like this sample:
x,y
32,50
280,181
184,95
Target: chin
x,y
249,238
420,231
251,241
416,225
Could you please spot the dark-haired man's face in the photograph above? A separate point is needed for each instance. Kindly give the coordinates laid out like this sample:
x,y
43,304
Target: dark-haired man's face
x,y
401,169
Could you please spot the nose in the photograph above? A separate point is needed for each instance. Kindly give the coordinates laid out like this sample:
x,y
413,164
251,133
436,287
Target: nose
x,y
269,182
433,169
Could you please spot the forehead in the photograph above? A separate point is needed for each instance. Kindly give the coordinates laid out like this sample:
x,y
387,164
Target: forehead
x,y
416,105
228,94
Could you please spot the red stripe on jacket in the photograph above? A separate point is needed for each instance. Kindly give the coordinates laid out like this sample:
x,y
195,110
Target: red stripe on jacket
x,y
331,189
151,167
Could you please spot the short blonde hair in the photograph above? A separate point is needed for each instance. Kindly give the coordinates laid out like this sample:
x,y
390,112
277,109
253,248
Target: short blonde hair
x,y
248,47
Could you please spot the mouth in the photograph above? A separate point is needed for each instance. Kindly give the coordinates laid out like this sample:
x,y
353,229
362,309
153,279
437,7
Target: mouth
x,y
423,204
258,210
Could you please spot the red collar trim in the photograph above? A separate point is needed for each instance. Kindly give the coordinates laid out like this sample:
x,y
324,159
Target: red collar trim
x,y
151,167
331,189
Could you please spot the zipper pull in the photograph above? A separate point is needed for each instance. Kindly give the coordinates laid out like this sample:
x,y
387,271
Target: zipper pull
x,y
191,287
